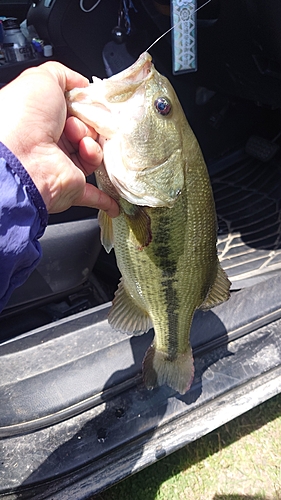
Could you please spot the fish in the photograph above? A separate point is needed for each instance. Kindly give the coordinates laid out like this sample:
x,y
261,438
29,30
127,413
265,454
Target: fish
x,y
165,236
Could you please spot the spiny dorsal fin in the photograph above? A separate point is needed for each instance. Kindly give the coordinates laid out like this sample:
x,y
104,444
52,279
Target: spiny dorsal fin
x,y
125,315
139,222
106,228
219,291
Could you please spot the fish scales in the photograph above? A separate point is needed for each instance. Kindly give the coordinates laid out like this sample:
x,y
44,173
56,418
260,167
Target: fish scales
x,y
165,235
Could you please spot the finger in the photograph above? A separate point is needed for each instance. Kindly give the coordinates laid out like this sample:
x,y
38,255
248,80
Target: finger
x,y
75,130
93,197
85,152
74,79
91,155
67,78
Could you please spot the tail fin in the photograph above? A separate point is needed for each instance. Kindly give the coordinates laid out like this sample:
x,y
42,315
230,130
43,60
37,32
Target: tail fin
x,y
158,369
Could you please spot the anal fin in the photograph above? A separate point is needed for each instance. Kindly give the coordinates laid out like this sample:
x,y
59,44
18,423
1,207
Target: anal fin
x,y
126,316
219,291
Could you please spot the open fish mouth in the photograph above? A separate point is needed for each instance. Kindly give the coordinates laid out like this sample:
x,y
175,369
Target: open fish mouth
x,y
129,77
137,72
93,104
120,87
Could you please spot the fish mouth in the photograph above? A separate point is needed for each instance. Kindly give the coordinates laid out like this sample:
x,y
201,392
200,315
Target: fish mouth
x,y
93,104
136,73
122,86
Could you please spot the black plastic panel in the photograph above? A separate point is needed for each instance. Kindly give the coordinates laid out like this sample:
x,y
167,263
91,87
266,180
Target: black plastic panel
x,y
125,427
85,359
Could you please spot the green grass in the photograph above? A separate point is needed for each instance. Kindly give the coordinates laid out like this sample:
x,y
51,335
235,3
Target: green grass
x,y
239,461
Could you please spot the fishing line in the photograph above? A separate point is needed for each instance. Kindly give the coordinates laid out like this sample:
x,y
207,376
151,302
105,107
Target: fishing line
x,y
88,10
175,25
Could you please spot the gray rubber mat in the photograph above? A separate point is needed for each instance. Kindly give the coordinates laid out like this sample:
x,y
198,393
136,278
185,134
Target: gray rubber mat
x,y
248,202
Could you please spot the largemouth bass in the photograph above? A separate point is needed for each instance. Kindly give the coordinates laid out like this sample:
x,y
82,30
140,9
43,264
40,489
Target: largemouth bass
x,y
165,235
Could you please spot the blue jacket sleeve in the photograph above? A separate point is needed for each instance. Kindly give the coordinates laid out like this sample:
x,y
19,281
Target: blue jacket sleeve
x,y
23,219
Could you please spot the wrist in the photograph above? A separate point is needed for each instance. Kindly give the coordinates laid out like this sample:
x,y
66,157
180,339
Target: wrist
x,y
17,167
29,160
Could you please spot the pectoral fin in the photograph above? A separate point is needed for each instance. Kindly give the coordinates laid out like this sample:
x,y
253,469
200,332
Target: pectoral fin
x,y
219,291
177,373
106,228
126,316
139,222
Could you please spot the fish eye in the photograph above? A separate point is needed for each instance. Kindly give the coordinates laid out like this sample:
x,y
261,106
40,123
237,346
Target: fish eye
x,y
163,106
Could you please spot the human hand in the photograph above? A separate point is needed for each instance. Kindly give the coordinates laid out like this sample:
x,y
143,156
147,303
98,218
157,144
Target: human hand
x,y
57,152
